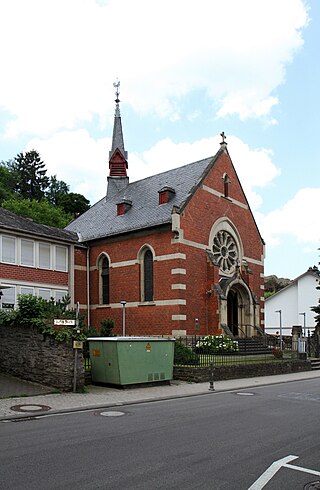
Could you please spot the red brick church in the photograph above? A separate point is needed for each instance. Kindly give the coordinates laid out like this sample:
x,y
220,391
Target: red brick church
x,y
181,248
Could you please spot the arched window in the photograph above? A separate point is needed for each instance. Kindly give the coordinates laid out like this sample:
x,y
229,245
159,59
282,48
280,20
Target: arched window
x,y
148,276
105,283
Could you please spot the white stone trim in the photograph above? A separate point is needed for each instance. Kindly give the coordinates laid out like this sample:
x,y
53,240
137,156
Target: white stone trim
x,y
81,268
124,263
261,286
170,302
253,261
171,257
178,286
216,193
262,298
178,317
178,271
262,275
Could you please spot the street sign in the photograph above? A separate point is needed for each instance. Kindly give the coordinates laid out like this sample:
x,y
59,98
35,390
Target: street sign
x,y
77,344
62,321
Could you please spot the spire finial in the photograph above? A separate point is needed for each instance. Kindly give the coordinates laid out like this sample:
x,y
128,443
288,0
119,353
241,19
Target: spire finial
x,y
223,136
116,86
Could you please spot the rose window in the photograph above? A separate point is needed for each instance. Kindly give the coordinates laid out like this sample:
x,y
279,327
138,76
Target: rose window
x,y
225,251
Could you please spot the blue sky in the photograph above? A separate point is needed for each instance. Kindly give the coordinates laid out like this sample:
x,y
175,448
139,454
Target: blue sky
x,y
188,70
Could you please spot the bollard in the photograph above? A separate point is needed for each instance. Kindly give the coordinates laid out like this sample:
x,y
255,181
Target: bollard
x,y
211,387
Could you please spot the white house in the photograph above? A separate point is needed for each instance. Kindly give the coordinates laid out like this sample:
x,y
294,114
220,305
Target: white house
x,y
291,305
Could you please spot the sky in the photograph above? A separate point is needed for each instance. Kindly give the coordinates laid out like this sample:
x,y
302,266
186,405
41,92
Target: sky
x,y
188,70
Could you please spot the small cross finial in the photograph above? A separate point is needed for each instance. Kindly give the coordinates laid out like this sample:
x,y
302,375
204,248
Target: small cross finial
x,y
116,86
223,136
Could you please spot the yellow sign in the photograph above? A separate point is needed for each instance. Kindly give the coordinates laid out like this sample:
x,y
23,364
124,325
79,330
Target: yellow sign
x,y
96,352
77,344
148,347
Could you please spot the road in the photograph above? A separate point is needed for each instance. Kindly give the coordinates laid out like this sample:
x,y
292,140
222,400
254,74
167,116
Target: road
x,y
214,441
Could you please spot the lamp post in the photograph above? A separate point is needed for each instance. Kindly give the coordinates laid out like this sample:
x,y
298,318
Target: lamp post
x,y
123,318
280,323
304,322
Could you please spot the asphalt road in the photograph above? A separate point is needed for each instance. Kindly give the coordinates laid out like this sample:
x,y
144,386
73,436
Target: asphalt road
x,y
214,441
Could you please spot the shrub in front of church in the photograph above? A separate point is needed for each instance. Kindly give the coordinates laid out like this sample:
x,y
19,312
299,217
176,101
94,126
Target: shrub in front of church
x,y
212,344
183,355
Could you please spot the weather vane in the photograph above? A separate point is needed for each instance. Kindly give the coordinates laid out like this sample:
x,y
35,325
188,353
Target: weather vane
x,y
116,86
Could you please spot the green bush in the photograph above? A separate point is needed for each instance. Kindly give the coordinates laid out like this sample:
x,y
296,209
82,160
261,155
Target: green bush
x,y
212,344
106,327
184,355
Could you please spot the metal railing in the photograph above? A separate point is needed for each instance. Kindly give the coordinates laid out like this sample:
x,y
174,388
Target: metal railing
x,y
197,351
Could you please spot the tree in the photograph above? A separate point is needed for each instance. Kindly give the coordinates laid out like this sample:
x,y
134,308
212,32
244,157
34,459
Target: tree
x,y
41,212
7,182
30,174
74,204
316,309
56,190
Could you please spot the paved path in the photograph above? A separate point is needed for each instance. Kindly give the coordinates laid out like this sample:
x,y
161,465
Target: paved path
x,y
98,397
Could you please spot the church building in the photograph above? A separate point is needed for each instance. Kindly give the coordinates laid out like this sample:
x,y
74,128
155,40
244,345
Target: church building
x,y
178,252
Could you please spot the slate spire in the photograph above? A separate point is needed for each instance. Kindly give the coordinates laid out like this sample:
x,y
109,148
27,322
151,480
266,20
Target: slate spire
x,y
118,157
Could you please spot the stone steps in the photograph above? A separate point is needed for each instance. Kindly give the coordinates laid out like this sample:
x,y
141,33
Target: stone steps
x,y
315,363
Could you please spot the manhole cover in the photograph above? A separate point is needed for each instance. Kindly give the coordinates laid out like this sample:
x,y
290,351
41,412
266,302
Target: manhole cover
x,y
30,408
245,393
111,414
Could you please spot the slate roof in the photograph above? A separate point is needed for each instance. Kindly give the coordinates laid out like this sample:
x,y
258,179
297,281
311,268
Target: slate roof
x,y
14,223
101,219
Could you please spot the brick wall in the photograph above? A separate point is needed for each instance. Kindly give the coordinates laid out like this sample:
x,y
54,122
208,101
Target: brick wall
x,y
28,355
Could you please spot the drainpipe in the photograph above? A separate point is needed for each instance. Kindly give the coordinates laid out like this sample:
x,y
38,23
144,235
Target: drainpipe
x,y
88,286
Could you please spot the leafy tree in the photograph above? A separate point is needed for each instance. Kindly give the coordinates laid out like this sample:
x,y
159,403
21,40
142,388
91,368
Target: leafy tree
x,y
30,174
7,183
74,204
40,212
56,190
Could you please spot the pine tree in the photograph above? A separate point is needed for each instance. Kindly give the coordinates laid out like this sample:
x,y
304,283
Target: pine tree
x,y
30,175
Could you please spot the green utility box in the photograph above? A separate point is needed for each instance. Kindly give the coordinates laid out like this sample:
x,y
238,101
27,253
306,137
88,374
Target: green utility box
x,y
131,360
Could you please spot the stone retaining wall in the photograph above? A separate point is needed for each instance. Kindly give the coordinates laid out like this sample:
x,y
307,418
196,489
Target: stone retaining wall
x,y
201,374
25,353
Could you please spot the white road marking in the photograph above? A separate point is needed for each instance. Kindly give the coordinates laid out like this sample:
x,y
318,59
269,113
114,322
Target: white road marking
x,y
304,470
270,472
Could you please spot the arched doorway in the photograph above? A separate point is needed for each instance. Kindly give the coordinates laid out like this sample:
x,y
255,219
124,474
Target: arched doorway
x,y
232,312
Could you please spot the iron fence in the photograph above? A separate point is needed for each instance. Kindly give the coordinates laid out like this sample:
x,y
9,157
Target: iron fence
x,y
223,351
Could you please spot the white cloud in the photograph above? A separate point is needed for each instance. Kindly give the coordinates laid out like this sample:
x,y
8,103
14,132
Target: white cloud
x,y
298,219
64,55
77,158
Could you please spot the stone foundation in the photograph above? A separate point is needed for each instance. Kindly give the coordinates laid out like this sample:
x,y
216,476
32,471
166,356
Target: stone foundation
x,y
202,374
27,354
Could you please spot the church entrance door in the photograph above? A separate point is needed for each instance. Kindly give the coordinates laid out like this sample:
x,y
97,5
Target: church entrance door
x,y
232,312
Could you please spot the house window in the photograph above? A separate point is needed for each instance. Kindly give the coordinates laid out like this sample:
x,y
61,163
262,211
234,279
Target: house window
x,y
26,290
8,250
27,253
59,295
148,275
45,294
8,298
61,259
44,255
105,281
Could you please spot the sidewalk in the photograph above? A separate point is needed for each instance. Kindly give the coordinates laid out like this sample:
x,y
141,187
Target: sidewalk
x,y
98,397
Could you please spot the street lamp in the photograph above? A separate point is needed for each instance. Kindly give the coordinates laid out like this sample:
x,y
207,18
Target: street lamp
x,y
280,322
304,322
123,318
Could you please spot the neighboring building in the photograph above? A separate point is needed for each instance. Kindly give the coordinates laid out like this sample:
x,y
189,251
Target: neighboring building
x,y
181,248
294,302
34,259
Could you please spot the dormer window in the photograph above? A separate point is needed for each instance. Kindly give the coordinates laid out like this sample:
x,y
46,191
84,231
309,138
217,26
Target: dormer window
x,y
166,194
123,207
